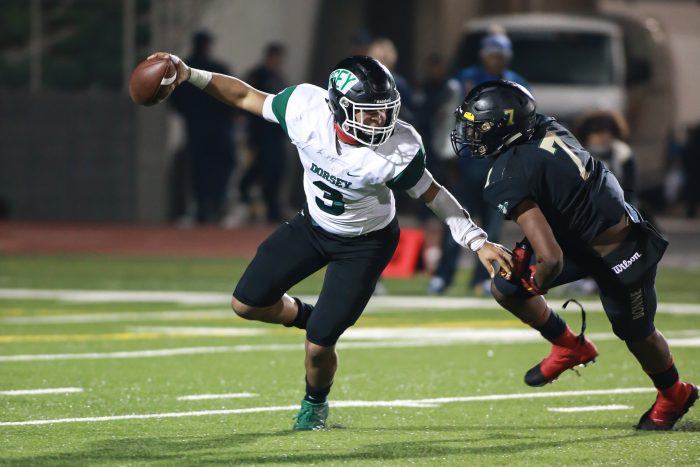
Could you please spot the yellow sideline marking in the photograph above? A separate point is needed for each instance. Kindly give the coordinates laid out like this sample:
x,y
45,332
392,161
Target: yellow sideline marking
x,y
18,311
12,312
120,336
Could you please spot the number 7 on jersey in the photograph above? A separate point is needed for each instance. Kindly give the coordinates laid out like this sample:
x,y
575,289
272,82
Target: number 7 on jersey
x,y
548,142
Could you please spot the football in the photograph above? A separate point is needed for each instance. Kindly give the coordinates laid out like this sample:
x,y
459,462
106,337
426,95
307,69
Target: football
x,y
152,81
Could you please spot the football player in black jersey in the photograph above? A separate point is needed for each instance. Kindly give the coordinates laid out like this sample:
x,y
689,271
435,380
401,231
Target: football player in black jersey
x,y
577,224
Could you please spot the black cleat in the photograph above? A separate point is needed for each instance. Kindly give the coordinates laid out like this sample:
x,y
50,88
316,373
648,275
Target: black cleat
x,y
535,378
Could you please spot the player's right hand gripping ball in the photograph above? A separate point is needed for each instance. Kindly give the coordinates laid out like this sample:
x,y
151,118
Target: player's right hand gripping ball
x,y
152,80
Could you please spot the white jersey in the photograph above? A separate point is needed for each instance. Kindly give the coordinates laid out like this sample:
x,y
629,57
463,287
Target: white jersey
x,y
348,188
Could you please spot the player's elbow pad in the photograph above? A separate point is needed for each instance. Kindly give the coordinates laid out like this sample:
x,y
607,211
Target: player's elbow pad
x,y
464,231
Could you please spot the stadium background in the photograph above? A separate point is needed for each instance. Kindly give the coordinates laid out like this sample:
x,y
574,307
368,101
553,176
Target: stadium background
x,y
64,67
87,205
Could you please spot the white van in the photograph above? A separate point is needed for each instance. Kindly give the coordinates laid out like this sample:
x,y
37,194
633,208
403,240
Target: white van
x,y
573,64
578,63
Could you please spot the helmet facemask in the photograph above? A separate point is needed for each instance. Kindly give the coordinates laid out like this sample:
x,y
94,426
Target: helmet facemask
x,y
477,139
369,135
360,85
494,116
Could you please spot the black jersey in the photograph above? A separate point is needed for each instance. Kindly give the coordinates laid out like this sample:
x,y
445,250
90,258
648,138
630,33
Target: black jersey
x,y
577,194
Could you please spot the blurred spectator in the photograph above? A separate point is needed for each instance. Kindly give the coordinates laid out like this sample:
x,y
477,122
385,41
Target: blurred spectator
x,y
360,42
603,134
673,180
209,125
691,171
430,102
267,143
433,102
495,53
384,50
4,209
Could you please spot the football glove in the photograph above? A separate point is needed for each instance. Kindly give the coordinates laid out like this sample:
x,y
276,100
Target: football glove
x,y
529,283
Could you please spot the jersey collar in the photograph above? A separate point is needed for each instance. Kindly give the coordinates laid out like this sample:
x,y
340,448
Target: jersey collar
x,y
344,137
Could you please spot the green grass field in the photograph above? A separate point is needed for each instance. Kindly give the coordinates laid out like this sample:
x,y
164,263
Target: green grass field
x,y
415,383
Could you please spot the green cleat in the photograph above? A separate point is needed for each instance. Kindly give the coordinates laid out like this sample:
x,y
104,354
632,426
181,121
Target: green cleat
x,y
311,416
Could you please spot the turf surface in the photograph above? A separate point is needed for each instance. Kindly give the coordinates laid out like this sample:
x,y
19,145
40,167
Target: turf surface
x,y
434,357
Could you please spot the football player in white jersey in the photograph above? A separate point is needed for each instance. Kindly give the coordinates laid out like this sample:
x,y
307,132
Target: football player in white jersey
x,y
354,153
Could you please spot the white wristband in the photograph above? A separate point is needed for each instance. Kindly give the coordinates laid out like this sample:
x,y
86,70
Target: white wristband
x,y
478,242
464,231
200,78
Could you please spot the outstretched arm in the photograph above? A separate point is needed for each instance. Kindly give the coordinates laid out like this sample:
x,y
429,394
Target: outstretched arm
x,y
227,89
465,232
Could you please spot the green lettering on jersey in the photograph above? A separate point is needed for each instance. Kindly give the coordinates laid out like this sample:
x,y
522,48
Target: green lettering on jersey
x,y
279,106
324,174
411,174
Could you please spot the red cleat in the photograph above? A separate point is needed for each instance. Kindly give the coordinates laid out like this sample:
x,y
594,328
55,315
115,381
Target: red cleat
x,y
560,359
669,407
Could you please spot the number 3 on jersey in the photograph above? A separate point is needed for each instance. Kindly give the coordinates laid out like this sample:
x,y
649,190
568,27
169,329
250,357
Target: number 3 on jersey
x,y
548,142
337,205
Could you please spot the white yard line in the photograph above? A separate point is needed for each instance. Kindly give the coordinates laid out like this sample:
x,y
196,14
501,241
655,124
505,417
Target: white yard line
x,y
110,296
118,355
340,404
194,315
402,303
355,338
202,397
210,350
535,395
435,340
683,342
36,392
383,303
589,408
198,413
